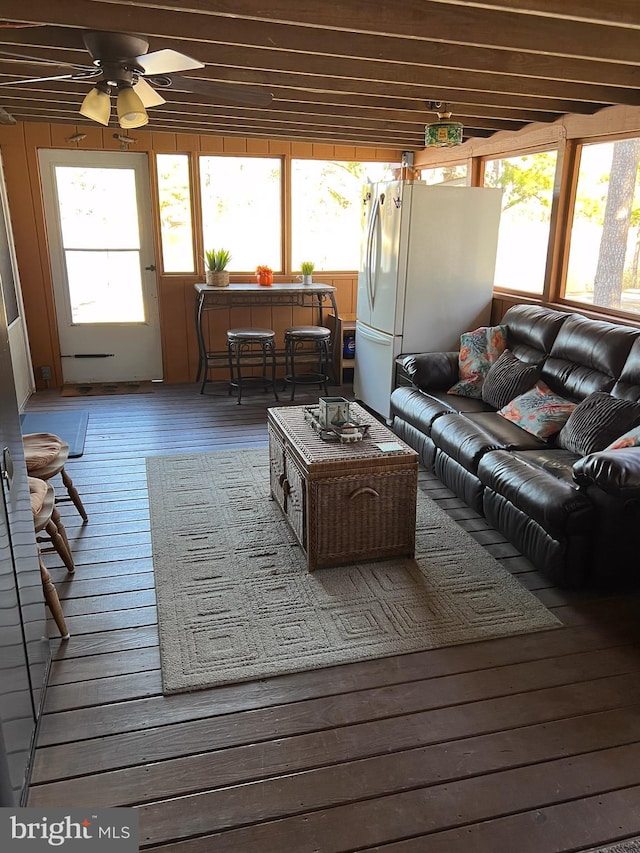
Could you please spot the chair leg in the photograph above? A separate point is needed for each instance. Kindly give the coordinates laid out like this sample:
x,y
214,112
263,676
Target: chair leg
x,y
55,518
59,545
73,494
52,600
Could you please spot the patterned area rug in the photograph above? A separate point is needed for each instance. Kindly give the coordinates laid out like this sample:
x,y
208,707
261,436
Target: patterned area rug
x,y
236,602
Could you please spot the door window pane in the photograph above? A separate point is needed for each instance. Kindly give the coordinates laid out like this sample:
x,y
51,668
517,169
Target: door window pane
x,y
174,197
326,202
605,235
97,207
241,209
101,244
523,237
105,287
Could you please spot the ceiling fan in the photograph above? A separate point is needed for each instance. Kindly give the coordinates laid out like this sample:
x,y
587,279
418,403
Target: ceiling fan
x,y
122,66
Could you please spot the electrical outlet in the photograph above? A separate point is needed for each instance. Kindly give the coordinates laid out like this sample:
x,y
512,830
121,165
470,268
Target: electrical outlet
x,y
45,372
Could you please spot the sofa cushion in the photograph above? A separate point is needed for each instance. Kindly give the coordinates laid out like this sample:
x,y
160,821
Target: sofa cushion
x,y
629,439
539,411
503,432
587,356
507,378
531,330
462,440
596,421
558,506
478,351
628,385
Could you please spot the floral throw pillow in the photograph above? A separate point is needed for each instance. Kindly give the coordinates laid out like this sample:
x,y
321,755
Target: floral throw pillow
x,y
478,351
539,411
629,439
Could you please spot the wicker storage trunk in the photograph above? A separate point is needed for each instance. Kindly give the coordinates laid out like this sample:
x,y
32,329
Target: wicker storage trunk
x,y
344,502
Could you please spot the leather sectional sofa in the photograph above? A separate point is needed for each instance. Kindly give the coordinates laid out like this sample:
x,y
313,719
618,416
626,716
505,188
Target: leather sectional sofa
x,y
575,516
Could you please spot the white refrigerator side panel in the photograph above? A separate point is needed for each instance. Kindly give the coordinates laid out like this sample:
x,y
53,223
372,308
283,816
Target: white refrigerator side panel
x,y
374,372
451,266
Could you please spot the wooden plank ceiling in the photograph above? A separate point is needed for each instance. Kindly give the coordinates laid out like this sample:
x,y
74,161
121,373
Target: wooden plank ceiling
x,y
355,72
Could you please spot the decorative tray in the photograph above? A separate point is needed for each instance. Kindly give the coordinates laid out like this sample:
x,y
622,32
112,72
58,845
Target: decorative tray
x,y
345,432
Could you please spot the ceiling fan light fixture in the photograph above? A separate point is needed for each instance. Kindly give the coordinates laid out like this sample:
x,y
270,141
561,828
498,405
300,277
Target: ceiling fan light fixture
x,y
97,106
443,133
131,111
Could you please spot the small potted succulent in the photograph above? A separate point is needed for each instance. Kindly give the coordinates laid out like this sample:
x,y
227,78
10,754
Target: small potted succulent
x,y
264,274
307,268
216,261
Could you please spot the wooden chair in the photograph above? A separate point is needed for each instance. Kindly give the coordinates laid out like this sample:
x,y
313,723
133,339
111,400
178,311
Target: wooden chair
x,y
47,518
45,456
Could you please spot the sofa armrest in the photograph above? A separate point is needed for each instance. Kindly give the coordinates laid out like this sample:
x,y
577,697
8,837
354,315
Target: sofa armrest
x,y
435,370
616,472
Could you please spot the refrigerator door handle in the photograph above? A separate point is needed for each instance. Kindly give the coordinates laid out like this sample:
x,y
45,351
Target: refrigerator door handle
x,y
371,291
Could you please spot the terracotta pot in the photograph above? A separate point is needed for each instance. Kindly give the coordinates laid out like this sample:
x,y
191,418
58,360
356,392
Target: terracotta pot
x,y
265,278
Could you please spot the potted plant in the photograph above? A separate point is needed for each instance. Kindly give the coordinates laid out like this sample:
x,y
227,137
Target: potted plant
x,y
307,268
216,261
264,275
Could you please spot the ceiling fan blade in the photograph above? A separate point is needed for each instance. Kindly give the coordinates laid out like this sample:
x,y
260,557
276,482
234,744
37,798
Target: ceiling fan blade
x,y
81,75
253,96
167,62
9,55
5,118
148,95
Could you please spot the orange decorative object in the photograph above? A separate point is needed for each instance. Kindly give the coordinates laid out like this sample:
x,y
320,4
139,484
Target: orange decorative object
x,y
264,275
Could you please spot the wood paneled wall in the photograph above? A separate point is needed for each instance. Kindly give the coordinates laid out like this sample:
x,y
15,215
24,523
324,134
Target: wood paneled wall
x,y
19,145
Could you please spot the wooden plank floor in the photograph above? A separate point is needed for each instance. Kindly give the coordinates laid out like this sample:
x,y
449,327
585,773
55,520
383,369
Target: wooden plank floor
x,y
527,744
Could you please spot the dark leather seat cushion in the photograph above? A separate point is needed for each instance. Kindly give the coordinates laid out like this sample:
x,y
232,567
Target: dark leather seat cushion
x,y
556,505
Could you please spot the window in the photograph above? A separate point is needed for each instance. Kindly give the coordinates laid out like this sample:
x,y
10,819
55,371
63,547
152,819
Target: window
x,y
241,209
326,205
605,234
174,197
523,238
454,176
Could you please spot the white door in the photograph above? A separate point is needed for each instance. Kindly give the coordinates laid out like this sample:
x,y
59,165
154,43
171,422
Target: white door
x,y
101,248
380,278
374,373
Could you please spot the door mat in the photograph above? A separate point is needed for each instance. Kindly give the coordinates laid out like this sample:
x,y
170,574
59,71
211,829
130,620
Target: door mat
x,y
236,602
69,426
106,389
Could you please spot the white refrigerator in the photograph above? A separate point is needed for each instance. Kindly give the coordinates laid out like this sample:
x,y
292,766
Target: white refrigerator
x,y
426,275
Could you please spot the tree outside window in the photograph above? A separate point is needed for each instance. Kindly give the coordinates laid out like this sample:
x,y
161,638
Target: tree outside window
x,y
174,198
604,256
241,209
523,237
326,207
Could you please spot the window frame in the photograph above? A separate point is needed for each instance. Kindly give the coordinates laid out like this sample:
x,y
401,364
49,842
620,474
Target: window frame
x,y
479,173
574,151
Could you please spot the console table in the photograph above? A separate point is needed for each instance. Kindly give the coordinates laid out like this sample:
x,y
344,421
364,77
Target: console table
x,y
343,502
235,295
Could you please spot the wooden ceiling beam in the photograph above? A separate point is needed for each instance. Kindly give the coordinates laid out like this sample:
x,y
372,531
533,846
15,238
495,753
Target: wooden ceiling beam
x,y
298,49
431,20
284,97
425,20
312,112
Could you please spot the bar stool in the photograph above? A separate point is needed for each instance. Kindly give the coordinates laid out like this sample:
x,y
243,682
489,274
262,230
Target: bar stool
x,y
46,517
250,348
307,339
45,455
